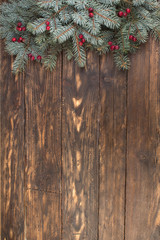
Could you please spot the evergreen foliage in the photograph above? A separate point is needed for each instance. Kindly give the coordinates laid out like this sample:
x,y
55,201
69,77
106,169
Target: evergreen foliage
x,y
56,25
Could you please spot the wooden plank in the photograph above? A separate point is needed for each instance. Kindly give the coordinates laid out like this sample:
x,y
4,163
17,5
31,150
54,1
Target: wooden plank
x,y
80,134
12,151
112,150
43,215
43,152
0,138
143,163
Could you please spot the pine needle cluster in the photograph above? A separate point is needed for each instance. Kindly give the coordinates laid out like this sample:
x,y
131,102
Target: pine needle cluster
x,y
40,29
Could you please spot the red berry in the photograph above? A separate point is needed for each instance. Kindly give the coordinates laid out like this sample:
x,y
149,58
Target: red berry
x,y
83,40
130,37
112,47
14,39
23,40
23,28
39,57
29,55
20,39
47,23
91,15
19,28
120,14
116,47
134,39
48,28
19,24
110,43
80,36
90,10
32,58
125,14
80,43
128,10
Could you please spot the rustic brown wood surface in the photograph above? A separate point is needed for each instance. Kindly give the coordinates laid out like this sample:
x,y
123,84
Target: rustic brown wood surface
x,y
80,134
43,153
12,152
143,151
80,151
112,150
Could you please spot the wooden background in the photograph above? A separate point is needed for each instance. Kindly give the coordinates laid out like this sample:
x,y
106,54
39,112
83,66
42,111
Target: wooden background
x,y
80,150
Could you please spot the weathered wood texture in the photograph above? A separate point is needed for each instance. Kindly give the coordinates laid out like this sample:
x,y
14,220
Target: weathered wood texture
x,y
12,152
80,134
80,152
43,153
112,151
143,152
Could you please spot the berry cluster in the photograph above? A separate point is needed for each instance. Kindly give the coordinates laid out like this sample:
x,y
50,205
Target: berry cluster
x,y
91,14
82,40
113,47
134,39
47,25
33,57
124,14
20,39
20,28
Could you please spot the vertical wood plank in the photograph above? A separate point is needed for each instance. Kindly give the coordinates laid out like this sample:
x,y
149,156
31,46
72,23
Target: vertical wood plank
x,y
43,148
0,137
80,134
12,151
112,150
143,165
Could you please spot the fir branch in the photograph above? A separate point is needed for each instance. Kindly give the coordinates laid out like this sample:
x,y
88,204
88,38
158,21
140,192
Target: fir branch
x,y
109,19
67,30
78,48
54,25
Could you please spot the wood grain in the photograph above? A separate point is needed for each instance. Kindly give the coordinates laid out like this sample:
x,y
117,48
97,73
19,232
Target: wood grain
x,y
43,153
12,152
80,132
0,137
143,158
80,150
43,215
112,150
